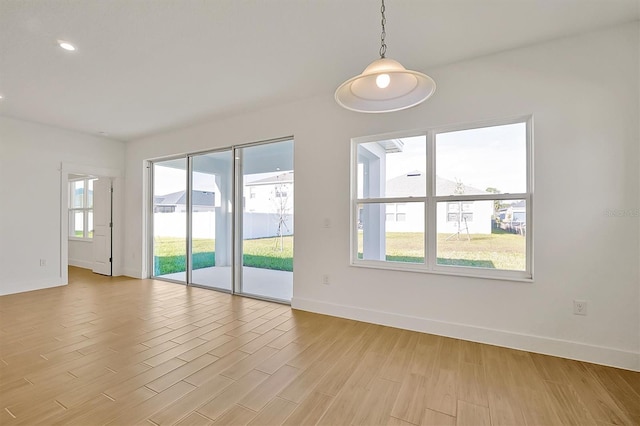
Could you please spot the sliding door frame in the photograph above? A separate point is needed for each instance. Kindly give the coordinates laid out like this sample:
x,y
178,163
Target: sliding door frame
x,y
151,224
238,232
190,157
236,217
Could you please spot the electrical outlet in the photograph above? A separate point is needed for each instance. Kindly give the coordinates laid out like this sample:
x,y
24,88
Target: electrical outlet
x,y
325,279
43,262
580,307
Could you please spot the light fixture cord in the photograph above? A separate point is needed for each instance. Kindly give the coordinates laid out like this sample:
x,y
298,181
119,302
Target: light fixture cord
x,y
383,45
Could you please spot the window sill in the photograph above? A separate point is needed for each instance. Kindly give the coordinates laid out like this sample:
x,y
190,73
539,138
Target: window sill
x,y
420,268
82,240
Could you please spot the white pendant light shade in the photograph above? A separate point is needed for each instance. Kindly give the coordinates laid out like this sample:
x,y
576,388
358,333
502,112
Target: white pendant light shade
x,y
385,86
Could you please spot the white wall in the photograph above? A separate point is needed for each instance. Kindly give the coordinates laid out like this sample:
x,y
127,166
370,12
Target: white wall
x,y
31,156
81,253
583,94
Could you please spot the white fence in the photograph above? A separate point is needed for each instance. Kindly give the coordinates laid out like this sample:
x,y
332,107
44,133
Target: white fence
x,y
262,225
256,225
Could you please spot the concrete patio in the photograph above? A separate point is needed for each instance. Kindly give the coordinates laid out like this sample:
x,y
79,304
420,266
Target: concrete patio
x,y
256,281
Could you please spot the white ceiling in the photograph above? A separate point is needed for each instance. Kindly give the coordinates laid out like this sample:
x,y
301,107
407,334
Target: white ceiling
x,y
146,66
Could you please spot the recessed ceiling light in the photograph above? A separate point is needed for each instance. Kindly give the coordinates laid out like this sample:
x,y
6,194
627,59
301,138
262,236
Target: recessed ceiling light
x,y
66,45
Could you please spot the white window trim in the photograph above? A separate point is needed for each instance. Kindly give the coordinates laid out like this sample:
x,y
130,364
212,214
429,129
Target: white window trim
x,y
431,201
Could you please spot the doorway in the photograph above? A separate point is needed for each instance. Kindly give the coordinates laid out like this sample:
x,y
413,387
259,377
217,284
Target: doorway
x,y
224,220
90,219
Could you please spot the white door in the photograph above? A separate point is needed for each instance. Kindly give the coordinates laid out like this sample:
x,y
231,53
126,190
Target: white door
x,y
102,226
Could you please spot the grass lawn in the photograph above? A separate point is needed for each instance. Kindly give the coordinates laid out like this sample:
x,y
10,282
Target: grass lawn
x,y
265,253
170,254
500,250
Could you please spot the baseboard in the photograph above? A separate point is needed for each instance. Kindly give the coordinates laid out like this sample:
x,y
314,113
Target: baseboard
x,y
132,273
538,344
23,287
81,263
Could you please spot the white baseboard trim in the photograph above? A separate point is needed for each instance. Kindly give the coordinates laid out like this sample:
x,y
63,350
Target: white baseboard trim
x,y
132,273
538,344
85,264
31,286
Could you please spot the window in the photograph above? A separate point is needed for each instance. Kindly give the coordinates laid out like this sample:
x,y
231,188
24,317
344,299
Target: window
x,y
460,211
453,201
81,208
164,209
396,212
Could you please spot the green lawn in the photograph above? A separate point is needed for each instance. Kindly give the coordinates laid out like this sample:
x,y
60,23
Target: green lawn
x,y
80,234
170,254
499,250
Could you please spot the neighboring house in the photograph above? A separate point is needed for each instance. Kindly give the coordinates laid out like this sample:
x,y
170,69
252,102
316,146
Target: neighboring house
x,y
268,206
268,210
273,194
170,211
473,217
176,202
513,217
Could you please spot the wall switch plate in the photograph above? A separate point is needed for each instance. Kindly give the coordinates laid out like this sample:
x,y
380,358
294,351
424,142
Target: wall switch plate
x,y
43,262
580,307
325,279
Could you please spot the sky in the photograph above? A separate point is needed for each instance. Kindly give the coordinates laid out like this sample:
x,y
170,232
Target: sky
x,y
481,158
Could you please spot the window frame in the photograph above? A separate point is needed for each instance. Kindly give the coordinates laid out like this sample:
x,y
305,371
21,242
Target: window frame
x,y
431,201
84,209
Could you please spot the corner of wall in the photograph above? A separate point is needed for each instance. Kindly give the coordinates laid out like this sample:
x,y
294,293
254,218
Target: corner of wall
x,y
543,345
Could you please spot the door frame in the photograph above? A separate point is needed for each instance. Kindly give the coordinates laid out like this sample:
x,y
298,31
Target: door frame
x,y
238,230
101,172
149,219
236,217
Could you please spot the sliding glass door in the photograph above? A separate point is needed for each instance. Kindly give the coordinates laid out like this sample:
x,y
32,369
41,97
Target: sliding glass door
x,y
200,239
211,220
170,219
265,231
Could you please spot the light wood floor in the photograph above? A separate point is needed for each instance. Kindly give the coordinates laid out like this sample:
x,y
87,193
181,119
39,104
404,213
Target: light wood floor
x,y
125,352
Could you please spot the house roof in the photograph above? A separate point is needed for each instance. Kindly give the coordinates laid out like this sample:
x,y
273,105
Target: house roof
x,y
200,198
286,177
520,203
414,183
448,187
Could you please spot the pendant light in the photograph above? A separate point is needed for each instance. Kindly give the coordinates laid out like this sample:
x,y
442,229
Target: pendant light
x,y
385,85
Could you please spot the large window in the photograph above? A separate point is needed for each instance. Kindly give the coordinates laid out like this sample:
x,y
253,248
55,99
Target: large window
x,y
81,208
455,200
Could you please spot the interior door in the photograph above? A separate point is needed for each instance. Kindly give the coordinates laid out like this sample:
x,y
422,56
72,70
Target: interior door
x,y
102,198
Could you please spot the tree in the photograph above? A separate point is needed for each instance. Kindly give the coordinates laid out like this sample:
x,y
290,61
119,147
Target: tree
x,y
281,200
497,204
459,189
